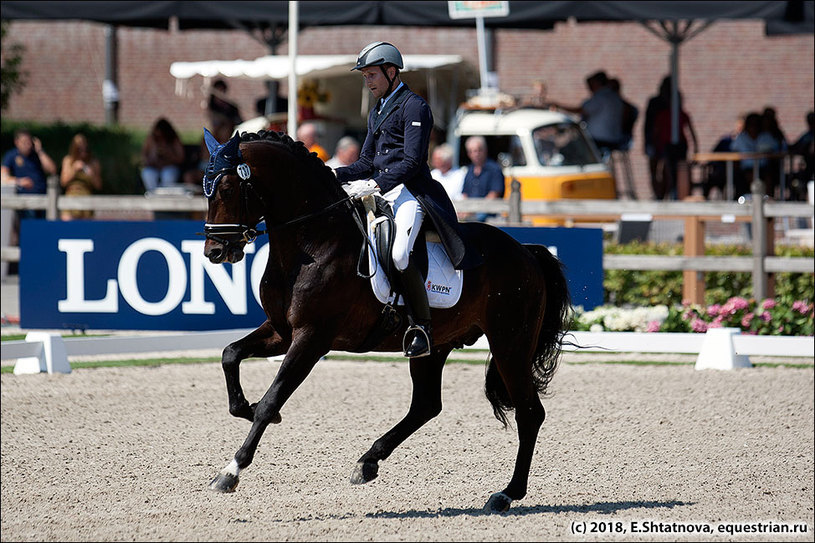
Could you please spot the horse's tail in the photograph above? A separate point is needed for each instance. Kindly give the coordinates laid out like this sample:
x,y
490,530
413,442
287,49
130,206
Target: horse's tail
x,y
556,316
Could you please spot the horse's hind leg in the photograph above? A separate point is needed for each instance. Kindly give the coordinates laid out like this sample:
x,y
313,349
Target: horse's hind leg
x,y
514,367
425,403
264,341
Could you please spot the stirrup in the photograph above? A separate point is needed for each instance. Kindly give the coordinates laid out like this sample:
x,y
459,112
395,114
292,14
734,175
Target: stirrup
x,y
420,335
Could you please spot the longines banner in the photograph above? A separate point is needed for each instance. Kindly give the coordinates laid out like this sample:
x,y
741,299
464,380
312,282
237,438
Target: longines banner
x,y
154,276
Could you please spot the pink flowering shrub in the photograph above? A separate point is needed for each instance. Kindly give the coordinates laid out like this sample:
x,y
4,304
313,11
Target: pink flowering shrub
x,y
767,317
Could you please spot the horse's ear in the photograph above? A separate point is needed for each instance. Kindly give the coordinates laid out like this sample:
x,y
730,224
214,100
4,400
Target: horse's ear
x,y
209,139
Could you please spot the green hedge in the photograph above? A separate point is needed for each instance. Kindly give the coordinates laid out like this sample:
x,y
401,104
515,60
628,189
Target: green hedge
x,y
116,148
649,288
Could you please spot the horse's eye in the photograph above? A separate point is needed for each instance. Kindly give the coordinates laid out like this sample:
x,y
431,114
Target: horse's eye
x,y
226,191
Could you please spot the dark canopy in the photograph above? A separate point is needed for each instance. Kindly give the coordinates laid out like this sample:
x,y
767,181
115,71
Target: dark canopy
x,y
780,16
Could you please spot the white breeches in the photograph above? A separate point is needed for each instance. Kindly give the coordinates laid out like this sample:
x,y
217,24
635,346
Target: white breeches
x,y
408,216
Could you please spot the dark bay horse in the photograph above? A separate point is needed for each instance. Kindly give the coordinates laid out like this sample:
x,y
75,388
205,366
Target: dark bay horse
x,y
316,301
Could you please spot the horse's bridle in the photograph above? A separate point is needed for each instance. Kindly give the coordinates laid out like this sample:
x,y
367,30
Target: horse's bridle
x,y
241,230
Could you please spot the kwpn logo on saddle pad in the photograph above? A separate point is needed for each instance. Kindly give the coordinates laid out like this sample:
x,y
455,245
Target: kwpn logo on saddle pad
x,y
438,289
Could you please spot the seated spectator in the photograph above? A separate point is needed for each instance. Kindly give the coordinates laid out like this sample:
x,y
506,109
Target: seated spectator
x,y
307,133
162,156
717,170
747,142
483,178
345,154
81,175
451,179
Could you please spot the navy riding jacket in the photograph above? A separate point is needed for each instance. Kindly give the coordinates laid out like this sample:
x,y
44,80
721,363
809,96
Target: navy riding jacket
x,y
395,152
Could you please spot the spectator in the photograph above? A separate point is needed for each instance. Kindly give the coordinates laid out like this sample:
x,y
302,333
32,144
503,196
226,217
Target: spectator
x,y
771,140
483,178
602,112
668,154
222,113
538,98
717,170
307,133
162,156
630,114
26,167
345,154
81,175
451,179
655,104
747,142
804,172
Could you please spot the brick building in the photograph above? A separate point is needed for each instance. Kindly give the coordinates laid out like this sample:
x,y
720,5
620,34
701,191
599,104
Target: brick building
x,y
728,69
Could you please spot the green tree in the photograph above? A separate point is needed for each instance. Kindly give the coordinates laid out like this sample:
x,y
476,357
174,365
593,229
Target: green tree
x,y
12,78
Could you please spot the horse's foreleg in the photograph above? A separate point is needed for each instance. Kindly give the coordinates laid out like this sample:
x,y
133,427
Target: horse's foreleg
x,y
264,341
425,373
303,354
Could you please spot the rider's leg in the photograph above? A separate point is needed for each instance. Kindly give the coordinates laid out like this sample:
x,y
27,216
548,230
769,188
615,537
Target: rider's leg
x,y
408,216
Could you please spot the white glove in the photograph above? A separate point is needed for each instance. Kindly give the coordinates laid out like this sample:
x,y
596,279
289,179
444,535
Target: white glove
x,y
361,188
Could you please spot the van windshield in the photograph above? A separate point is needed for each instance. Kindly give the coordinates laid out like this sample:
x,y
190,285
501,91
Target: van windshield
x,y
562,145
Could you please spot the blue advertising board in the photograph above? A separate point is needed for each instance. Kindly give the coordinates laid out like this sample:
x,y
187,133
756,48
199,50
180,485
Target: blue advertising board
x,y
154,276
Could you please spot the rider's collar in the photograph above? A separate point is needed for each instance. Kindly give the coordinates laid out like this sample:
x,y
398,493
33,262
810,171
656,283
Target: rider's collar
x,y
384,100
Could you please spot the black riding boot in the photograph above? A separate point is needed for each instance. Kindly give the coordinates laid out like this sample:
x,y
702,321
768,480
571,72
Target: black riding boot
x,y
417,340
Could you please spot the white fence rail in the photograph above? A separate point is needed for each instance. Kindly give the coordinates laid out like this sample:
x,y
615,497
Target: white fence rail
x,y
42,352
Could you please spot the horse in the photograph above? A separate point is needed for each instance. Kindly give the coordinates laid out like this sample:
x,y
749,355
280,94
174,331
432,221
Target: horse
x,y
316,299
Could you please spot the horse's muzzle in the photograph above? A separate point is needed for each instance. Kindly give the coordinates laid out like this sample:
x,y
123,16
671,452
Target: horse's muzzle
x,y
218,253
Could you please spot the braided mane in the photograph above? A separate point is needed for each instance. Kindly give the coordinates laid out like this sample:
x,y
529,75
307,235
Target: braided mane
x,y
298,149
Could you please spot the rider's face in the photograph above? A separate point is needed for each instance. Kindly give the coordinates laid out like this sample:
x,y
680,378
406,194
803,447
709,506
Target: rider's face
x,y
375,80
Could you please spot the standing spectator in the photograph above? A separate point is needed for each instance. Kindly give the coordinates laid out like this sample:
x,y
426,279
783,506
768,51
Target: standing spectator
x,y
771,139
26,167
630,114
602,112
668,154
307,133
451,179
484,177
222,113
162,156
805,147
656,104
345,154
81,175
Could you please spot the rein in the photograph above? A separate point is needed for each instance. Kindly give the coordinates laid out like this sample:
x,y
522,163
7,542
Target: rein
x,y
249,234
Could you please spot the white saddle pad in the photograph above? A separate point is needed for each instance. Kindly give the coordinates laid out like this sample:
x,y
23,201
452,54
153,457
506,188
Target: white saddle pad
x,y
443,284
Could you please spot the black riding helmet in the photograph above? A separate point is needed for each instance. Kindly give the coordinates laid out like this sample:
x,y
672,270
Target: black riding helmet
x,y
380,53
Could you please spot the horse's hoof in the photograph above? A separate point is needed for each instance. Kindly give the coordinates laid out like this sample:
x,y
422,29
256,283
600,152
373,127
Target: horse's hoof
x,y
224,483
498,503
364,472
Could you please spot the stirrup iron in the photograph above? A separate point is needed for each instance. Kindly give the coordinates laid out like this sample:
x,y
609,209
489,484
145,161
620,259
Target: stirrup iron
x,y
420,341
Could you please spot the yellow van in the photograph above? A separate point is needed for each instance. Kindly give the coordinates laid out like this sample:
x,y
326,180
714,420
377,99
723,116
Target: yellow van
x,y
548,152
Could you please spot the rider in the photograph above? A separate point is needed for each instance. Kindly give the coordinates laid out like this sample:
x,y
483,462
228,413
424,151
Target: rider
x,y
394,157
